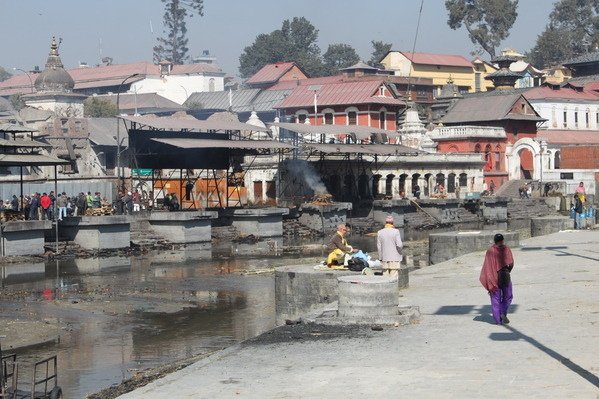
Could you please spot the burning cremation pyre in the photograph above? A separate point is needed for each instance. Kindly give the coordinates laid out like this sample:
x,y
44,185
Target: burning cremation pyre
x,y
322,199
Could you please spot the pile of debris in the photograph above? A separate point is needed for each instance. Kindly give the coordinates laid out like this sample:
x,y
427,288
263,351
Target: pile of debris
x,y
105,209
10,215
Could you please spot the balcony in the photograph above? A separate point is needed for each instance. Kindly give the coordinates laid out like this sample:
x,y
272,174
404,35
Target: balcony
x,y
467,132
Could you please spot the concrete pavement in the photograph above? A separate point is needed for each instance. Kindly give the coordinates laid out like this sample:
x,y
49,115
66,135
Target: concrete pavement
x,y
549,350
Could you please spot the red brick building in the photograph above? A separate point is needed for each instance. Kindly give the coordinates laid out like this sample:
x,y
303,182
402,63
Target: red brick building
x,y
495,124
367,103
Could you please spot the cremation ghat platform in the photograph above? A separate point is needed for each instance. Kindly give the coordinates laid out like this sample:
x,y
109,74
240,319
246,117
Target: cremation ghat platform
x,y
183,227
22,238
445,246
97,232
259,222
324,217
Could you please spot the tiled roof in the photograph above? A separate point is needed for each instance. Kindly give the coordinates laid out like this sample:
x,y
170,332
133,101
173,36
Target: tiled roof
x,y
575,137
484,108
342,93
102,131
270,73
437,59
583,59
566,93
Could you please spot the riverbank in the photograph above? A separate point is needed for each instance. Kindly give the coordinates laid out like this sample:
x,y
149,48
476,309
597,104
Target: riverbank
x,y
548,351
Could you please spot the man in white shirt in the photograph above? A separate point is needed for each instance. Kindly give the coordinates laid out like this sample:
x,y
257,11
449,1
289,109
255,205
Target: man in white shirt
x,y
389,246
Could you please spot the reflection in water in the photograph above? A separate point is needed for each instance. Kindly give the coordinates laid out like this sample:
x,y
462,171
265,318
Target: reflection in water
x,y
215,306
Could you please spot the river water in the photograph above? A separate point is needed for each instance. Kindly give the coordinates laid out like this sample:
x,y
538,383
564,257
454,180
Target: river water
x,y
121,315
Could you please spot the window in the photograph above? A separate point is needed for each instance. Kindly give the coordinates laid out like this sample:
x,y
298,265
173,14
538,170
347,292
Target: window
x,y
382,90
497,161
352,118
587,119
211,85
477,148
565,118
301,118
328,118
575,118
383,120
463,180
477,81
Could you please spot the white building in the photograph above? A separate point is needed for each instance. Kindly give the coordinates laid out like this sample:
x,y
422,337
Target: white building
x,y
565,107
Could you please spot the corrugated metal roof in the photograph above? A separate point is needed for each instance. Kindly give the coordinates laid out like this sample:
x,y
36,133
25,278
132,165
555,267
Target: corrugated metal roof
x,y
11,128
242,99
573,137
191,124
102,131
270,73
437,59
583,59
105,82
30,160
371,149
23,143
342,93
361,132
188,143
245,100
151,101
481,108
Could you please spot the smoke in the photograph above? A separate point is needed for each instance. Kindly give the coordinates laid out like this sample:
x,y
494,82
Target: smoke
x,y
300,169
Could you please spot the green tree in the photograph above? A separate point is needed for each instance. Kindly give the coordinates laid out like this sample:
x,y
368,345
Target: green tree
x,y
95,107
4,74
573,30
488,22
379,50
173,46
296,41
339,56
17,102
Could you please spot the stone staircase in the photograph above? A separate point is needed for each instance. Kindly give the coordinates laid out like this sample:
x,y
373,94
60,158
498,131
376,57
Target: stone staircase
x,y
143,235
510,188
529,207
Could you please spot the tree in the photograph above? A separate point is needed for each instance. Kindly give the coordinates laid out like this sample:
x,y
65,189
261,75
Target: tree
x,y
339,56
99,108
17,102
488,22
573,30
295,41
173,46
4,74
379,50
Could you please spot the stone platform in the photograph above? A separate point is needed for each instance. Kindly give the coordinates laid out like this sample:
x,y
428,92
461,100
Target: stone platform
x,y
259,222
183,227
449,245
24,237
550,224
97,232
302,292
324,218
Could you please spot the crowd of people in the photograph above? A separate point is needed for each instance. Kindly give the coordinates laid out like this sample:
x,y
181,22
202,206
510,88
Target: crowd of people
x,y
42,206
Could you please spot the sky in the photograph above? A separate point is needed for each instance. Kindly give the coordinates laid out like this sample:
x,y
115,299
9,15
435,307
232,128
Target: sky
x,y
126,30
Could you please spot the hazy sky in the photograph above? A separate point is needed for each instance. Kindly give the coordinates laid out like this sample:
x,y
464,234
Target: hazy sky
x,y
122,29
